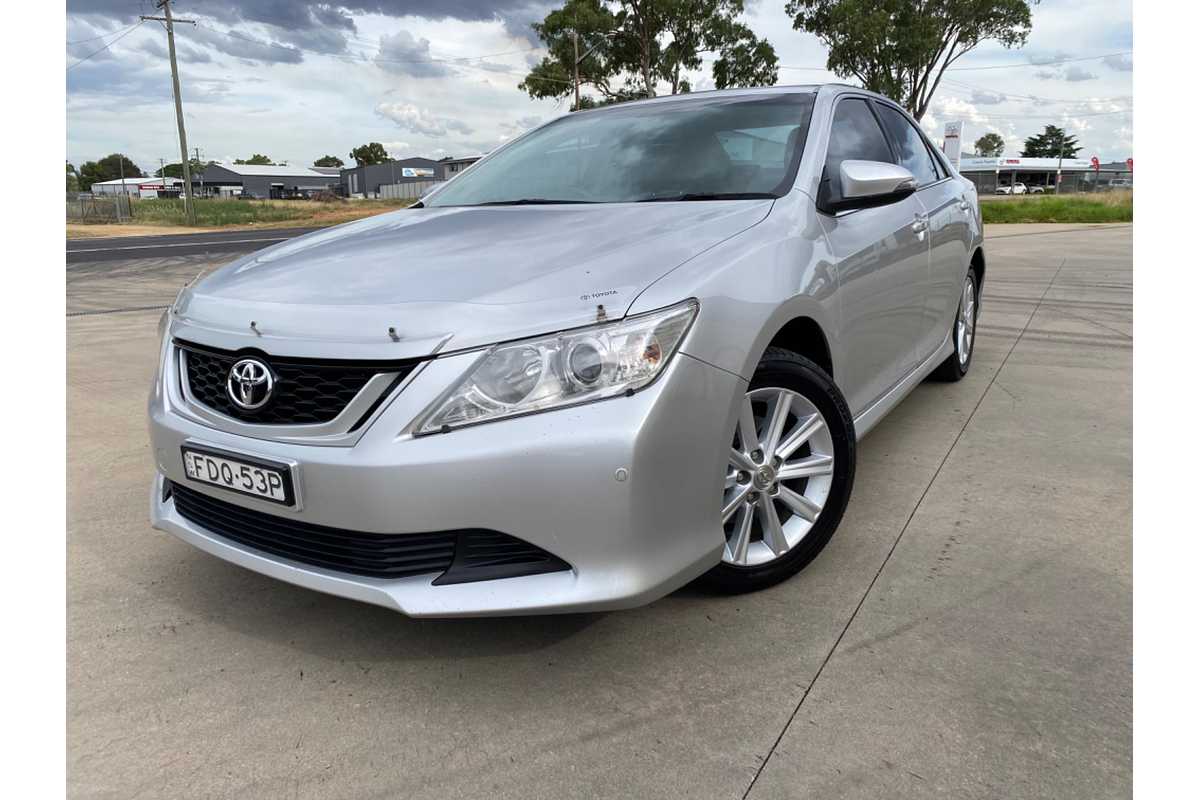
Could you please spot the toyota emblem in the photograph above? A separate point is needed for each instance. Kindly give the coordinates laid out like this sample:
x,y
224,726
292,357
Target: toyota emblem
x,y
250,384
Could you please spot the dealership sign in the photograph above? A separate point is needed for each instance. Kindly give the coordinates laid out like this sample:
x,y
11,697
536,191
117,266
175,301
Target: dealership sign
x,y
952,142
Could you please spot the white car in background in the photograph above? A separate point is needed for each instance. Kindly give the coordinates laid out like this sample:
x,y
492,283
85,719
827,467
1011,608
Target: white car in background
x,y
1016,188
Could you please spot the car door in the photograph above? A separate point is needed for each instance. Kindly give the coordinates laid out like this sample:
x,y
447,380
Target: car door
x,y
881,260
944,201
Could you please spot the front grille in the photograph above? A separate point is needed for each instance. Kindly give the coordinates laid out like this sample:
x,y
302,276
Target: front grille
x,y
306,392
461,556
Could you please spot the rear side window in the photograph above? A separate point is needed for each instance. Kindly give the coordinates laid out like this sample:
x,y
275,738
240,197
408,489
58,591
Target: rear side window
x,y
854,136
910,146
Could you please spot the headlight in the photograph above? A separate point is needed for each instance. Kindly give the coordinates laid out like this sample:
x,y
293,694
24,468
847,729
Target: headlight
x,y
564,369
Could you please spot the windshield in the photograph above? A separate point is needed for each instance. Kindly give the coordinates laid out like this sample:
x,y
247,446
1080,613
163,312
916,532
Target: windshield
x,y
718,148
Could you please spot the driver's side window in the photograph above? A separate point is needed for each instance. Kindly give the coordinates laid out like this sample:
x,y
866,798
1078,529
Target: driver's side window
x,y
854,135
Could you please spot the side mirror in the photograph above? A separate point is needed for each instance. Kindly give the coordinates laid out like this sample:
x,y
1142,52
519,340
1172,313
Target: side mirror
x,y
866,184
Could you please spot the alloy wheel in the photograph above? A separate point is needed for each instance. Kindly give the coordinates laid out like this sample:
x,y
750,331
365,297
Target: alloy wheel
x,y
965,327
779,476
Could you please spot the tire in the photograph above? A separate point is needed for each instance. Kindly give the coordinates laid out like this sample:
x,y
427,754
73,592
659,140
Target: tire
x,y
955,367
768,559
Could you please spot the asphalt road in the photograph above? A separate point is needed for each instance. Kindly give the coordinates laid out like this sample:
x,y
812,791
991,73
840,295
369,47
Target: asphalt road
x,y
120,248
966,633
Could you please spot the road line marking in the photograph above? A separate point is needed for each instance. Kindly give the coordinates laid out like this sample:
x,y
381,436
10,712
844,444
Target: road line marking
x,y
887,558
181,244
114,311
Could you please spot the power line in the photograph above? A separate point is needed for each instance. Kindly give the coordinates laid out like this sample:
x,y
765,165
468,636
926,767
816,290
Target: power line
x,y
1059,115
365,57
103,35
102,49
1041,63
1037,98
993,66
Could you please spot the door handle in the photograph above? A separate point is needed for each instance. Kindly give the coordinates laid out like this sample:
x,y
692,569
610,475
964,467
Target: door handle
x,y
963,205
920,224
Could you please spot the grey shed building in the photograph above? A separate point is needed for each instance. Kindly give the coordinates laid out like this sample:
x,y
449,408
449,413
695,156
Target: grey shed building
x,y
266,181
364,181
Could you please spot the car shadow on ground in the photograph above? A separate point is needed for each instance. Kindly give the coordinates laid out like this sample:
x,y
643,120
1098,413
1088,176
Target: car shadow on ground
x,y
332,627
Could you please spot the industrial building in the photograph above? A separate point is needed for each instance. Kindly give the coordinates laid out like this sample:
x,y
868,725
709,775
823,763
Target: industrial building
x,y
365,180
142,188
456,165
262,181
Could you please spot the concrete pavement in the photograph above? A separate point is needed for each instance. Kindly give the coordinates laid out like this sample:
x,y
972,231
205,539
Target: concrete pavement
x,y
965,634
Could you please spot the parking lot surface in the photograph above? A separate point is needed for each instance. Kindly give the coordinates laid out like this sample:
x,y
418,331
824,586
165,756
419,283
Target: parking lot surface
x,y
966,634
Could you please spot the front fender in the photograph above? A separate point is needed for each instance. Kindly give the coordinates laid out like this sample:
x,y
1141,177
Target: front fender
x,y
751,285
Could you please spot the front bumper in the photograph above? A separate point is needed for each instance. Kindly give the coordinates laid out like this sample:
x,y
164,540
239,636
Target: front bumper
x,y
550,479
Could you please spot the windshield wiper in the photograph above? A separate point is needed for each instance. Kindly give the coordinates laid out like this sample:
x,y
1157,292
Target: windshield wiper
x,y
687,197
530,201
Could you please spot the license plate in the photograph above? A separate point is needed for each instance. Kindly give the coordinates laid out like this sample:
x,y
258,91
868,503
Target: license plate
x,y
240,474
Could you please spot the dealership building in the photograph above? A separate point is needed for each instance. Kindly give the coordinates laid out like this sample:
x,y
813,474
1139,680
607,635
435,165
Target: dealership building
x,y
989,173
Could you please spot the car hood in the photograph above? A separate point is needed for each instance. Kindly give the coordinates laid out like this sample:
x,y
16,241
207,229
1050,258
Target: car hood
x,y
450,278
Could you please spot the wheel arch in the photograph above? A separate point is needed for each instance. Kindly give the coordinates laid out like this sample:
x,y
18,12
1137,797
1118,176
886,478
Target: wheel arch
x,y
979,263
804,336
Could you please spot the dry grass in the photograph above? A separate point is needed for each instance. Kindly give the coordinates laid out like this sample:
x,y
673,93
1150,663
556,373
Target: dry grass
x,y
151,217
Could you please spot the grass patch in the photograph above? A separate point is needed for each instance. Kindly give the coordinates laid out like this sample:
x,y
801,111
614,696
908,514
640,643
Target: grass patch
x,y
1107,207
219,213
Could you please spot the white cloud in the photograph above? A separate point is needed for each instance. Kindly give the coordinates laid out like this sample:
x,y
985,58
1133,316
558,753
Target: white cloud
x,y
1121,63
411,118
985,98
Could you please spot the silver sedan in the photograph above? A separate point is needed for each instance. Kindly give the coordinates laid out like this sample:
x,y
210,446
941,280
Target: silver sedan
x,y
632,348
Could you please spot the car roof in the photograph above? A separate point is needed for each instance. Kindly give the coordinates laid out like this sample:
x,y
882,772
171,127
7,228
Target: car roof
x,y
804,88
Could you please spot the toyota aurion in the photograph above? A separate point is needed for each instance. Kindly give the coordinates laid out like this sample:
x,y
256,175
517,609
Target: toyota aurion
x,y
632,348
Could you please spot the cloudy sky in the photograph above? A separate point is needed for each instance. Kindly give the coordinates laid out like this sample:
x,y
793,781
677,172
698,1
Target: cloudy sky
x,y
295,79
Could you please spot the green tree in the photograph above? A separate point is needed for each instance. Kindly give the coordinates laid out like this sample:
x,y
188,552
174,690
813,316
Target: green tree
x,y
627,47
696,26
990,145
72,178
367,154
176,170
109,168
329,161
901,48
258,159
1049,143
595,26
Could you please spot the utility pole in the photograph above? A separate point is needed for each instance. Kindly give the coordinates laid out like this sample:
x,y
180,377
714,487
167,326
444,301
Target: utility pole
x,y
579,59
189,206
1062,140
121,163
575,41
201,172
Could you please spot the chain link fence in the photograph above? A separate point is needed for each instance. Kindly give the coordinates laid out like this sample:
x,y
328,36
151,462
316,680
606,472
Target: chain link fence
x,y
89,208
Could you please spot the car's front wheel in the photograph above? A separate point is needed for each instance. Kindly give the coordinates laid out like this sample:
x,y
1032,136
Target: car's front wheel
x,y
790,470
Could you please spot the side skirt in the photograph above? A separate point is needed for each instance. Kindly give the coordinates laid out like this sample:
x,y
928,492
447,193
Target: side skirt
x,y
869,418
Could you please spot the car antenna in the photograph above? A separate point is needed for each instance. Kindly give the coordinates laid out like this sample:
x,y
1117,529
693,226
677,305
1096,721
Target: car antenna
x,y
392,333
254,327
